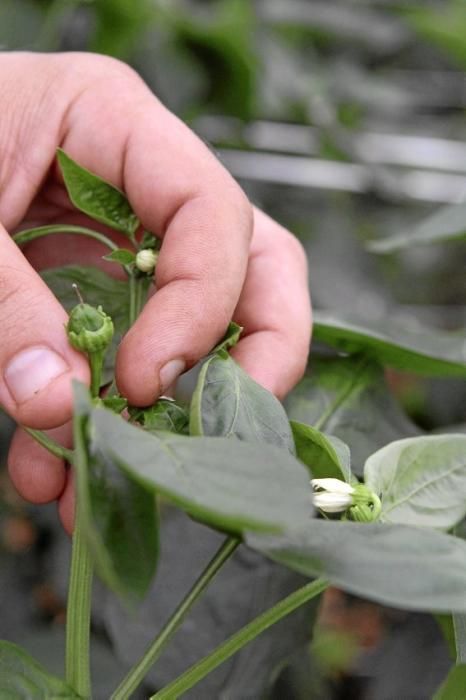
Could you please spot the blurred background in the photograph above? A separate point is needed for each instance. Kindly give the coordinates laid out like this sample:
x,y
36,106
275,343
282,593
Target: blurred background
x,y
344,120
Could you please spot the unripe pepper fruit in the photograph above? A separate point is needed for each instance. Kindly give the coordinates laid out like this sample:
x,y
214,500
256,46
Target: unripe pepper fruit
x,y
89,329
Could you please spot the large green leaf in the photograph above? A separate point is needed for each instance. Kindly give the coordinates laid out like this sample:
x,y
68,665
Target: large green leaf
x,y
421,480
227,402
96,197
97,288
23,678
407,567
349,398
454,686
419,349
447,224
225,483
325,455
118,516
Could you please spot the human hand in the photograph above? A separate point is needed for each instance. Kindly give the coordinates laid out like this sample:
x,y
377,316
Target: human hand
x,y
218,260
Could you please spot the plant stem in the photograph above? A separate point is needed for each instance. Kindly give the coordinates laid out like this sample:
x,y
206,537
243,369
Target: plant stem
x,y
245,635
78,615
79,604
132,300
96,362
53,447
32,233
138,672
138,287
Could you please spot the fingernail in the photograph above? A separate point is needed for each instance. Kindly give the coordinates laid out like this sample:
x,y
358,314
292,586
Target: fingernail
x,y
170,372
32,370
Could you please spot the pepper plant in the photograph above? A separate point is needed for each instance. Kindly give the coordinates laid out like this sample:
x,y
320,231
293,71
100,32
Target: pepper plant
x,y
348,493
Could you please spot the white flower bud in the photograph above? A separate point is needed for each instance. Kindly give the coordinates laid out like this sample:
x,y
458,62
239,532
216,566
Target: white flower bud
x,y
332,502
332,495
333,485
146,260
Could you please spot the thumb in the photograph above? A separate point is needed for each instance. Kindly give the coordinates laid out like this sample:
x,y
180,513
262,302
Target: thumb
x,y
36,361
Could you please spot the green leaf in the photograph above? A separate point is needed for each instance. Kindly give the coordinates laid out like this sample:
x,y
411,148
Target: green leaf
x,y
166,415
97,198
349,398
447,224
325,455
223,37
441,25
406,567
230,338
419,349
421,480
23,678
453,688
117,403
119,517
97,288
224,483
121,256
227,402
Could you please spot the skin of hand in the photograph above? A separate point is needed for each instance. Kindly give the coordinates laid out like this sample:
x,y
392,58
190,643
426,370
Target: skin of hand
x,y
220,258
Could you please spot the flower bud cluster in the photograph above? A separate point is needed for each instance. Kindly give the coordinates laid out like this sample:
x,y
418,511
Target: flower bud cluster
x,y
357,502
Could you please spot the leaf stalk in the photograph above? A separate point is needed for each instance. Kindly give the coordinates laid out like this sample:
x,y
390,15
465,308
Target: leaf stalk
x,y
140,670
237,641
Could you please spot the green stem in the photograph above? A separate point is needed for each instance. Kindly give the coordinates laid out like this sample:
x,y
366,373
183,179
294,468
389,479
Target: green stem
x,y
132,300
138,288
33,233
79,608
96,362
53,447
78,615
139,296
210,662
144,284
138,672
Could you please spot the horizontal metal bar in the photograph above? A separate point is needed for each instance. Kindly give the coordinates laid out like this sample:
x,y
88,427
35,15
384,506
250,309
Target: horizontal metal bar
x,y
334,175
415,151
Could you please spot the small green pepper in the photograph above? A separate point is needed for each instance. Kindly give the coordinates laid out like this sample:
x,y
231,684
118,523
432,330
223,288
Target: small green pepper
x,y
89,328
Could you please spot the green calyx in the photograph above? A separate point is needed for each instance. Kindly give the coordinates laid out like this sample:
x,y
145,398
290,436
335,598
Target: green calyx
x,y
89,329
366,506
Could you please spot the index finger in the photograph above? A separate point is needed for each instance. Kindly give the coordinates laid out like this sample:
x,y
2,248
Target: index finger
x,y
180,192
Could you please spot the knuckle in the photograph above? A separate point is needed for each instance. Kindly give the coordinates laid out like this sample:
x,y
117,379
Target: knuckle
x,y
95,65
86,71
240,206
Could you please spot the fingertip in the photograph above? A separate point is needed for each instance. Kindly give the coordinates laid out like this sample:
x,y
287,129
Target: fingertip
x,y
272,361
37,475
52,404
